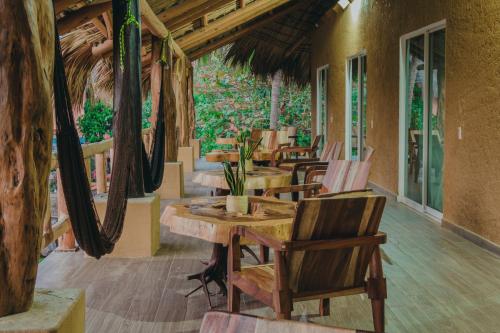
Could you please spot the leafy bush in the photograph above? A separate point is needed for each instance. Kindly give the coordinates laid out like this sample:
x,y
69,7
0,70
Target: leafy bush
x,y
96,122
229,99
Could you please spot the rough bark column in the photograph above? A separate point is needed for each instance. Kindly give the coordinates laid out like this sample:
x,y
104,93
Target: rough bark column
x,y
170,109
127,82
191,109
26,67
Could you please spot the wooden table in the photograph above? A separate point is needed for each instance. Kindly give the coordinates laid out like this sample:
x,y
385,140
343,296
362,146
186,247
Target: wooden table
x,y
226,141
215,156
261,178
206,218
232,155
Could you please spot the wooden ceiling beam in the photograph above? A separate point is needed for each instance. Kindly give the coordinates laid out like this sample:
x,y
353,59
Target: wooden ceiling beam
x,y
101,27
62,5
75,19
234,36
229,22
189,11
156,27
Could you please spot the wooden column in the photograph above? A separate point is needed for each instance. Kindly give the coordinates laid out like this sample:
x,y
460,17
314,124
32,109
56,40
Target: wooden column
x,y
190,104
171,142
100,173
181,88
26,67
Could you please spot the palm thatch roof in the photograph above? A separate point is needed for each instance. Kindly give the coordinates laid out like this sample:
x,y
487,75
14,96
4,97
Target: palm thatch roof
x,y
284,44
269,32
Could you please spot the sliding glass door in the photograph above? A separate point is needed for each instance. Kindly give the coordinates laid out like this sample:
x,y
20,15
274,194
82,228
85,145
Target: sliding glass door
x,y
422,119
356,108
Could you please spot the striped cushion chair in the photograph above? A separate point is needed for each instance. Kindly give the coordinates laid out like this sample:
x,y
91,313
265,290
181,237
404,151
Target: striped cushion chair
x,y
333,245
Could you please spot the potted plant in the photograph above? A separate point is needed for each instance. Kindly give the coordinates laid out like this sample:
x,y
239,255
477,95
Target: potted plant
x,y
249,148
237,201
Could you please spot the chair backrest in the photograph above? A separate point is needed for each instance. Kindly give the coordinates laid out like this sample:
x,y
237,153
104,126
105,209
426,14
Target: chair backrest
x,y
338,216
282,136
368,153
327,151
316,141
344,175
217,322
256,134
269,140
335,152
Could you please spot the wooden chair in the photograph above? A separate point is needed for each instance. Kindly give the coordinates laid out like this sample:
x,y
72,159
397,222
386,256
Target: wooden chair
x,y
223,322
313,173
340,176
279,152
334,241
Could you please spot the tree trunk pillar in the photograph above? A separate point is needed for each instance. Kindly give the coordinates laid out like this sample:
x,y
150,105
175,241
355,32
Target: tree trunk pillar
x,y
26,71
275,100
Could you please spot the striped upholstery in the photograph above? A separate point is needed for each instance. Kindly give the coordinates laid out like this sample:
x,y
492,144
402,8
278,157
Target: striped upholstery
x,y
269,140
343,215
343,175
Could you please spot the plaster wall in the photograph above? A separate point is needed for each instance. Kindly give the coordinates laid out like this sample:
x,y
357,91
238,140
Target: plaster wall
x,y
471,165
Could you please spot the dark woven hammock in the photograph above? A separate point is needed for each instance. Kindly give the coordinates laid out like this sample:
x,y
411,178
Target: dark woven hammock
x,y
94,237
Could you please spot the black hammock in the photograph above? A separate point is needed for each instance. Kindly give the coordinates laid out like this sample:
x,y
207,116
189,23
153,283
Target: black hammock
x,y
94,237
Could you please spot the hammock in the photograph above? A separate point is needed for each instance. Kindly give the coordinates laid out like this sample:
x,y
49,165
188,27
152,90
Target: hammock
x,y
94,237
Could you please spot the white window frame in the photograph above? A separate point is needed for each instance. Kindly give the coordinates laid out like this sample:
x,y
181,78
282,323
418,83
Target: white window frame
x,y
403,136
319,116
348,105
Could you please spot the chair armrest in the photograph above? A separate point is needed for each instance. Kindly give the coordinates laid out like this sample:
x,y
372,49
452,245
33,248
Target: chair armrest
x,y
293,188
333,244
309,162
283,145
310,174
257,237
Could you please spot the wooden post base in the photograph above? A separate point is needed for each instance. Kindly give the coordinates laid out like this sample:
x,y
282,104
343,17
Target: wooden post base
x,y
54,311
186,156
141,228
196,144
172,186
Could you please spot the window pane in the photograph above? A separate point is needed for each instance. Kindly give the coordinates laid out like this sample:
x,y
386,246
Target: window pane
x,y
436,119
415,77
354,108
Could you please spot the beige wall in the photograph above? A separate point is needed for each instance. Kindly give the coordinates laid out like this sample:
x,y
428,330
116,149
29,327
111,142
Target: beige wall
x,y
472,165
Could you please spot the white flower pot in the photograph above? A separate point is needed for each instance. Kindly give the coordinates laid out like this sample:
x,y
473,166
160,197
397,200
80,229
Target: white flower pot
x,y
248,165
237,204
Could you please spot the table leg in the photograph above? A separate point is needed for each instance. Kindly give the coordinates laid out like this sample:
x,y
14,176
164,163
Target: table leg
x,y
219,192
215,271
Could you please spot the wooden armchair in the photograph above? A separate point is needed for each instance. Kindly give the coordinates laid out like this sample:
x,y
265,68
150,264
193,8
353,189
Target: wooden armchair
x,y
279,152
218,322
334,241
340,176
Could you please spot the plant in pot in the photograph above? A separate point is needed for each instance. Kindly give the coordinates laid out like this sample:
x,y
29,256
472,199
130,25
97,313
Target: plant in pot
x,y
237,201
249,148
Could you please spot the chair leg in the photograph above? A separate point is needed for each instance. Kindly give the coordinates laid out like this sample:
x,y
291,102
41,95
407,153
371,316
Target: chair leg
x,y
264,254
324,307
378,315
233,299
283,305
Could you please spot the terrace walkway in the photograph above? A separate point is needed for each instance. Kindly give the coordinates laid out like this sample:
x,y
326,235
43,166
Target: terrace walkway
x,y
438,282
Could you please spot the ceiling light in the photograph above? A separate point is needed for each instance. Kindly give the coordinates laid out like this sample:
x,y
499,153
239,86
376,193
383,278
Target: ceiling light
x,y
343,3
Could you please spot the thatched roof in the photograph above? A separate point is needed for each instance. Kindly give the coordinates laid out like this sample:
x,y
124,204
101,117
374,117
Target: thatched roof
x,y
265,29
284,44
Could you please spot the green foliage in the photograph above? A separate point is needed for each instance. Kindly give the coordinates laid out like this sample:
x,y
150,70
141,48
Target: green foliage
x,y
96,122
229,99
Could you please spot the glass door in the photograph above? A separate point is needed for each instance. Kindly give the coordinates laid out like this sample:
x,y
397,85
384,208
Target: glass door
x,y
321,104
356,108
422,114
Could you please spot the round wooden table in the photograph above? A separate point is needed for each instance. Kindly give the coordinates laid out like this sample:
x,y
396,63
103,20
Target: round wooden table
x,y
215,156
261,178
206,218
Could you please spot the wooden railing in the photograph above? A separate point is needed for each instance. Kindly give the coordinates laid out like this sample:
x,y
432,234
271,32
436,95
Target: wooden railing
x,y
97,172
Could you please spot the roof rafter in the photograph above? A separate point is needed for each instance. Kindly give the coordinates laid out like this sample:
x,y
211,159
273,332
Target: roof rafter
x,y
81,16
234,36
189,11
229,22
